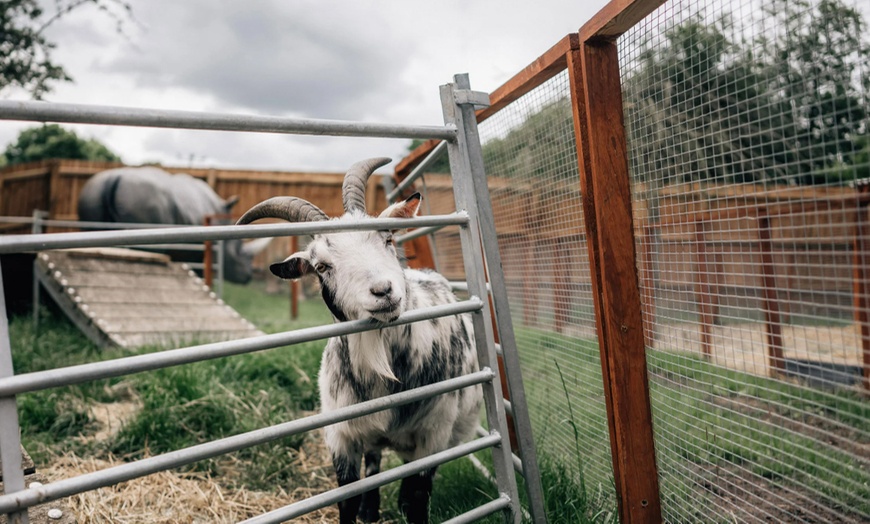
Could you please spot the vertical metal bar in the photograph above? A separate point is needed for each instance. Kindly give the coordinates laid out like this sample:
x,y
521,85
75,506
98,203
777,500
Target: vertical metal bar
x,y
488,234
605,184
860,287
463,189
294,284
10,438
36,229
220,268
775,358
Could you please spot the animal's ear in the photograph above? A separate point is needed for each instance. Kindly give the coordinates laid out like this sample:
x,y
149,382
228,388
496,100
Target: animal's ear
x,y
407,208
295,266
231,202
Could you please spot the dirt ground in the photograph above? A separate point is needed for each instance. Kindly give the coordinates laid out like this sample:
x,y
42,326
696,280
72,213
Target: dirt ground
x,y
743,347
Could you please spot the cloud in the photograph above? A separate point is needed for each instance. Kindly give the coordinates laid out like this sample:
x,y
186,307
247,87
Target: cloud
x,y
270,57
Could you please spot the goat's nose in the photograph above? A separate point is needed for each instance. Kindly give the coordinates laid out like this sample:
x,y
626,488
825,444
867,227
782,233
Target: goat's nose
x,y
381,289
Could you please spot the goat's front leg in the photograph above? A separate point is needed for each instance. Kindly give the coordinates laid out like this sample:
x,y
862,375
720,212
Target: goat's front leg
x,y
414,496
346,464
369,511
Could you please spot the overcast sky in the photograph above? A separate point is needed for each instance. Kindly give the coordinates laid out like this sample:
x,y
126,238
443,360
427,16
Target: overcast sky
x,y
362,60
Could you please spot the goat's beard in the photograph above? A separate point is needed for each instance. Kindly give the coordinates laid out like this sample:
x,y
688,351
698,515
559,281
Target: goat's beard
x,y
369,354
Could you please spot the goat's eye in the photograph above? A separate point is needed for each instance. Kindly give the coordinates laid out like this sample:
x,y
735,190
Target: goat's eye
x,y
389,241
320,267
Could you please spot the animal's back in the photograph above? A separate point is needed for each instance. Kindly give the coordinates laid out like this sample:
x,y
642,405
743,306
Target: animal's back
x,y
147,195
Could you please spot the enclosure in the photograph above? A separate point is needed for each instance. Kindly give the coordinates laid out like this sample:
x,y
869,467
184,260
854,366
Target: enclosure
x,y
679,197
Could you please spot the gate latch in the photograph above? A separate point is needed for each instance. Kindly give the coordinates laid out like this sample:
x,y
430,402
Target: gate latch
x,y
467,96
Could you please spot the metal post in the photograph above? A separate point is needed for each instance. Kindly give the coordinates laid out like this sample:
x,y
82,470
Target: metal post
x,y
36,229
294,284
463,189
469,139
208,257
10,438
220,268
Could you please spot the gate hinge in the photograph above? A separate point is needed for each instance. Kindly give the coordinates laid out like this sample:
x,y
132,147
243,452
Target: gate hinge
x,y
467,96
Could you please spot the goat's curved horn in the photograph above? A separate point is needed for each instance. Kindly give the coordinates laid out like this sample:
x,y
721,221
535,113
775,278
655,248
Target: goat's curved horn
x,y
288,208
353,190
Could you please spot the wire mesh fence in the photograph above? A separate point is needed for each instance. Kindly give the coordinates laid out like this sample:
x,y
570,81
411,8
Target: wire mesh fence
x,y
531,163
748,126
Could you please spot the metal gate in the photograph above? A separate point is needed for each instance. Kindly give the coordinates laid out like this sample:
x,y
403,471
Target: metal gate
x,y
477,231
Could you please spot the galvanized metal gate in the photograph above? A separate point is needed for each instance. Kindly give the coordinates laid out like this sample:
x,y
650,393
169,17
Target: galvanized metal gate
x,y
477,231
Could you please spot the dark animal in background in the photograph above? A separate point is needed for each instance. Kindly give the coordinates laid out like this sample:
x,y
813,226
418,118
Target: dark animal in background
x,y
149,195
361,277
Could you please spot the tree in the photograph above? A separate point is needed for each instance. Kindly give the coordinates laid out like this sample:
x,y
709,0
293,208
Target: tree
x,y
25,52
820,65
53,141
706,102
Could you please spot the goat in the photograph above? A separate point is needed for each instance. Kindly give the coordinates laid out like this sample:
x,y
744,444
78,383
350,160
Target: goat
x,y
361,277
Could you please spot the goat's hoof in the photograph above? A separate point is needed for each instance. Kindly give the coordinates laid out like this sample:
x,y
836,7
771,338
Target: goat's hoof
x,y
369,514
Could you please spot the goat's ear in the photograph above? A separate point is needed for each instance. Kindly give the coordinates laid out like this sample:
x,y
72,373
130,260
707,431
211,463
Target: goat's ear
x,y
231,202
407,208
295,266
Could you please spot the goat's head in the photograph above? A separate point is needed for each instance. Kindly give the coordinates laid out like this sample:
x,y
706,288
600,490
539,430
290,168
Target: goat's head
x,y
359,271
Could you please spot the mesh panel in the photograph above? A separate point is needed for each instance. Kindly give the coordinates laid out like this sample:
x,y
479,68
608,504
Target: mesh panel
x,y
748,139
531,163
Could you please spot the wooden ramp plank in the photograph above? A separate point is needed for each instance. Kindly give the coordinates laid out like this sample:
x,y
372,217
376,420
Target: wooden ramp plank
x,y
128,298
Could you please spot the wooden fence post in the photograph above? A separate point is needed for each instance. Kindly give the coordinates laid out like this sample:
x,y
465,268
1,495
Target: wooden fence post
x,y
207,256
860,285
647,241
703,289
606,191
771,304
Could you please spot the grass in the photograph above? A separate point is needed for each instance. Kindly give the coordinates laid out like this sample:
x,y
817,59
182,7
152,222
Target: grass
x,y
778,435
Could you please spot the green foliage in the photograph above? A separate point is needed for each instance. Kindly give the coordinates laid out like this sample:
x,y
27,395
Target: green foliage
x,y
706,103
53,141
25,53
530,150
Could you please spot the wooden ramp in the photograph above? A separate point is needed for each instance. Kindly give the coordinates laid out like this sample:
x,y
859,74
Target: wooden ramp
x,y
128,298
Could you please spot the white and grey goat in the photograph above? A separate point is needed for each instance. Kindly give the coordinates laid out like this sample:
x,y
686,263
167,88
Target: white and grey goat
x,y
361,277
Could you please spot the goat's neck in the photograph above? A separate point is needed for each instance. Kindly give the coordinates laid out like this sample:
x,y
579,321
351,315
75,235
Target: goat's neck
x,y
370,355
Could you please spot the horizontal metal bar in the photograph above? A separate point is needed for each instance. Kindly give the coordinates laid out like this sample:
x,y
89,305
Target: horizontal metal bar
x,y
175,247
485,510
106,477
17,243
35,111
518,463
423,231
418,171
58,377
81,224
498,350
375,481
456,285
508,408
